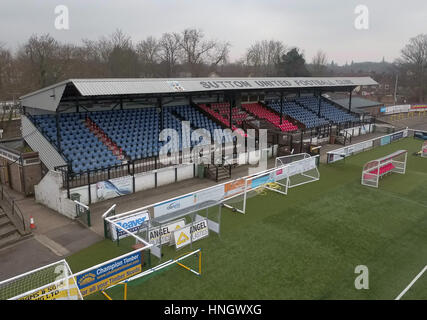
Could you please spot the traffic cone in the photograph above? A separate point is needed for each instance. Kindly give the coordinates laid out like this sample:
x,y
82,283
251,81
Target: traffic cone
x,y
32,225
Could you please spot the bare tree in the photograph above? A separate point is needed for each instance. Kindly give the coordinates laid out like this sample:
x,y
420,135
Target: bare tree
x,y
197,50
5,67
148,53
264,56
170,51
220,53
319,63
43,54
414,61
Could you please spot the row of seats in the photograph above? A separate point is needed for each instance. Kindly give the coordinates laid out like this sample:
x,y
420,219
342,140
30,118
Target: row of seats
x,y
198,120
263,113
134,130
238,115
78,144
327,110
382,170
217,116
295,111
103,138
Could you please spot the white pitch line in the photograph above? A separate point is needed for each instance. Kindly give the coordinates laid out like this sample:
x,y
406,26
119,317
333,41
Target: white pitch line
x,y
411,284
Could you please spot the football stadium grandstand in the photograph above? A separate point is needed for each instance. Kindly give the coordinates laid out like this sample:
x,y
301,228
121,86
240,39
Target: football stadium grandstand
x,y
102,138
93,130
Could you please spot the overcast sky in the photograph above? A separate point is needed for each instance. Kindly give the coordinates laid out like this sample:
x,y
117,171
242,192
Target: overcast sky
x,y
308,24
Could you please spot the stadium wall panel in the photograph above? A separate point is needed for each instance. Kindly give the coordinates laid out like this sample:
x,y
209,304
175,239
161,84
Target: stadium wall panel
x,y
185,172
49,192
144,181
165,176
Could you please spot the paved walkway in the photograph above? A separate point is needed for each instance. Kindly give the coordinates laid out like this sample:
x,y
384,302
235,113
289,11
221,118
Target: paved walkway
x,y
147,197
419,123
54,238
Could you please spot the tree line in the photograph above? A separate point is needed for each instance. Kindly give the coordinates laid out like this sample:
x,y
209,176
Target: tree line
x,y
43,60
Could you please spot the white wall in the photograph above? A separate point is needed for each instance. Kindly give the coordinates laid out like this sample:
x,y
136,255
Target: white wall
x,y
144,181
49,192
355,130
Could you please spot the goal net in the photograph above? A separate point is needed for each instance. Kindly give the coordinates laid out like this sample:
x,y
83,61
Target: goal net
x,y
301,168
239,191
51,282
190,261
376,169
289,172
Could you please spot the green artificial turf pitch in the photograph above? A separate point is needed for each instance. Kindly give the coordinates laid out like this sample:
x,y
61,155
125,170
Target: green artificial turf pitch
x,y
305,245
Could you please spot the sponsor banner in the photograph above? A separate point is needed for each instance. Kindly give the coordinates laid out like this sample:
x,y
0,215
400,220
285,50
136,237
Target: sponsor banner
x,y
163,234
385,140
358,147
174,205
420,135
280,174
405,133
113,188
396,136
190,233
341,153
396,109
259,181
212,194
419,107
234,187
333,157
100,278
212,225
133,224
55,291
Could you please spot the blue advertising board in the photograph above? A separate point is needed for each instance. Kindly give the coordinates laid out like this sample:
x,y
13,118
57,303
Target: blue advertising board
x,y
106,275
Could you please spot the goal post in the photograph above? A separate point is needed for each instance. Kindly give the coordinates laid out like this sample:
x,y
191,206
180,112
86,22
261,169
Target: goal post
x,y
301,168
274,180
190,261
51,282
424,150
374,170
289,172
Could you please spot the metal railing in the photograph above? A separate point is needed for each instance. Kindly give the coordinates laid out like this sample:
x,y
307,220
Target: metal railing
x,y
9,205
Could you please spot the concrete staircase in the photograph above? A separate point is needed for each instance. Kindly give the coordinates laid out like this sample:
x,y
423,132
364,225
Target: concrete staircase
x,y
223,173
9,234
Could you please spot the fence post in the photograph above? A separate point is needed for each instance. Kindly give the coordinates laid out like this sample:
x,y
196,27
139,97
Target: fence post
x,y
88,184
88,217
155,179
